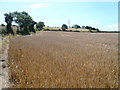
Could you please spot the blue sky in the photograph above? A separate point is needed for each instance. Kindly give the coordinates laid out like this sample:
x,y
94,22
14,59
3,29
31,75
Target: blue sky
x,y
102,15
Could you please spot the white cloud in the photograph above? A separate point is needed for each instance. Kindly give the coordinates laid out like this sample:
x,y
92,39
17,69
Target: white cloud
x,y
39,5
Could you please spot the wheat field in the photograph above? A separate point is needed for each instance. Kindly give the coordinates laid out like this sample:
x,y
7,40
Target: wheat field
x,y
64,60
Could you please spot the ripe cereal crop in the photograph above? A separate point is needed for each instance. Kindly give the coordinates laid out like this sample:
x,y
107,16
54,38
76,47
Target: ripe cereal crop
x,y
64,60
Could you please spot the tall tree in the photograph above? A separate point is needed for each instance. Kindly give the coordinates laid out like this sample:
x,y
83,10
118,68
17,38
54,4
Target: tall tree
x,y
24,21
9,20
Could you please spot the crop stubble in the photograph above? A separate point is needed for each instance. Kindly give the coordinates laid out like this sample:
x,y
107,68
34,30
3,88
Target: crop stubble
x,y
64,60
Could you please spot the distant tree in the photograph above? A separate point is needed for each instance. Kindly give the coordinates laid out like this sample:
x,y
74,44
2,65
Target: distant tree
x,y
89,27
40,25
83,27
59,29
93,28
64,27
76,26
90,30
25,13
2,24
9,20
98,30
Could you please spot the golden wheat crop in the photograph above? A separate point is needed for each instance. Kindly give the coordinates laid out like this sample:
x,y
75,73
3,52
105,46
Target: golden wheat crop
x,y
64,60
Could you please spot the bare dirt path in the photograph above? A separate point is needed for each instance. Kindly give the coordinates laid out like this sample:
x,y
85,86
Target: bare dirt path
x,y
64,59
4,70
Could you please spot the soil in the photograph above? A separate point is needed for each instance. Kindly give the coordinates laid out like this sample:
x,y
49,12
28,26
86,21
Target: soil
x,y
4,70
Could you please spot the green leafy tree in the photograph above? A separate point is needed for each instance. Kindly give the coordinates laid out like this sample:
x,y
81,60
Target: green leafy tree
x,y
24,21
64,27
76,26
40,25
9,20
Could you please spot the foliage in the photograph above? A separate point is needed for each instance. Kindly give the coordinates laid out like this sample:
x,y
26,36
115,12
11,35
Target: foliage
x,y
2,24
76,26
40,25
31,27
88,27
64,27
92,28
24,21
3,31
83,27
26,24
98,30
9,20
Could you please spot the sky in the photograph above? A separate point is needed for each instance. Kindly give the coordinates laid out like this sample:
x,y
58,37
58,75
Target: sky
x,y
95,13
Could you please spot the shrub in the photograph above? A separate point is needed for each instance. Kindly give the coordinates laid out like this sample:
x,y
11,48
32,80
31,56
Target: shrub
x,y
76,26
64,27
2,24
3,31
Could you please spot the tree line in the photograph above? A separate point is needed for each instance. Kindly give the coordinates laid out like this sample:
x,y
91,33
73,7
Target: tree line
x,y
25,24
64,27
